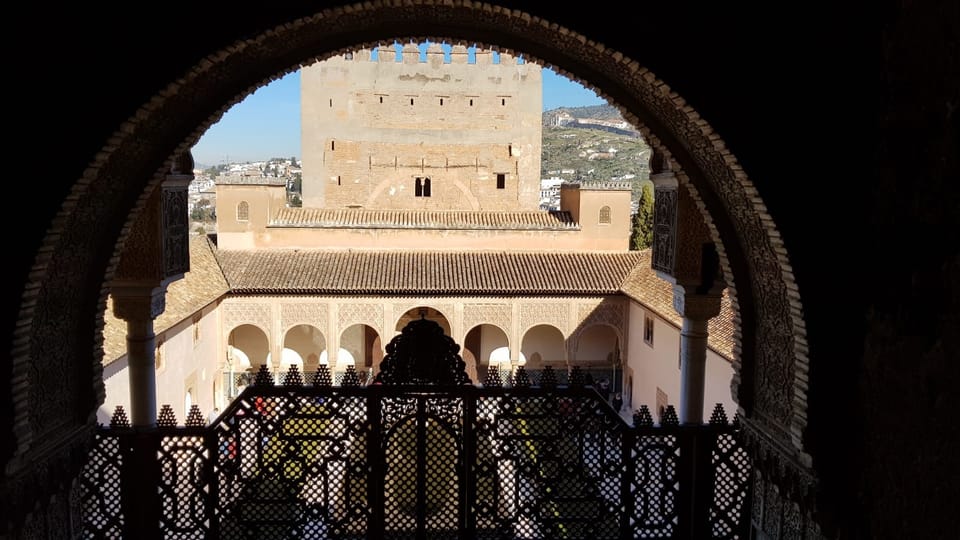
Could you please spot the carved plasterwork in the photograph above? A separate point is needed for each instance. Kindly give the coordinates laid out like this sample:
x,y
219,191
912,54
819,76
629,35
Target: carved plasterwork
x,y
366,313
239,313
310,313
401,309
140,258
610,312
555,314
499,315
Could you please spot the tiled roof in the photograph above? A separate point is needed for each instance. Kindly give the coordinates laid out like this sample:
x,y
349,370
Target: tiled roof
x,y
423,219
644,286
425,272
203,284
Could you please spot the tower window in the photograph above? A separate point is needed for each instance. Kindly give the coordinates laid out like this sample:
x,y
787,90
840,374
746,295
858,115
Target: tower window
x,y
421,187
648,331
332,145
605,215
331,102
411,101
501,181
471,103
503,101
441,102
243,211
381,99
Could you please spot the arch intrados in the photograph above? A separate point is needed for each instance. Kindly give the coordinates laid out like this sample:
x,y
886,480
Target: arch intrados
x,y
114,187
527,330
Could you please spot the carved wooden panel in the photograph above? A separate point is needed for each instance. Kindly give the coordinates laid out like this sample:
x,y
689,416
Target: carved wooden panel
x,y
176,232
663,255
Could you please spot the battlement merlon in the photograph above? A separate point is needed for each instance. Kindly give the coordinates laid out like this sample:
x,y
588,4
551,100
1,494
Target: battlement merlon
x,y
597,185
409,53
243,180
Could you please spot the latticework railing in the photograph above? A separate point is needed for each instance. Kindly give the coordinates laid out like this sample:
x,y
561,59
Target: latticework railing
x,y
305,460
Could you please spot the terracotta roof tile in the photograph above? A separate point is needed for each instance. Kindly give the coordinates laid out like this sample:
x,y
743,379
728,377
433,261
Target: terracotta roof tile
x,y
422,219
644,286
203,284
424,272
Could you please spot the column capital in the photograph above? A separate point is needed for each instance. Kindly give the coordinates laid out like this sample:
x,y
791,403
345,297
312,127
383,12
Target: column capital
x,y
138,301
696,306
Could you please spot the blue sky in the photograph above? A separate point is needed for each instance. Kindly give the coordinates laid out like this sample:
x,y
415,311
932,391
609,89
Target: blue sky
x,y
267,123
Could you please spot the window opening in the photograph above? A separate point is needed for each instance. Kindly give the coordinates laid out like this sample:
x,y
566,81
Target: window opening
x,y
243,211
605,215
501,180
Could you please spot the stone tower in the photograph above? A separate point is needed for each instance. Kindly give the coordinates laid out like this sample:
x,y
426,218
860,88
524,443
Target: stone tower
x,y
422,127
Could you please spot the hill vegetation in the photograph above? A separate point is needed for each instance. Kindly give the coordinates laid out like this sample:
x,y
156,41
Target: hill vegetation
x,y
593,144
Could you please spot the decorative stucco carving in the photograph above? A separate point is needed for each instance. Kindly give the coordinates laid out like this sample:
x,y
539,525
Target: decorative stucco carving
x,y
555,314
366,313
499,315
303,312
239,313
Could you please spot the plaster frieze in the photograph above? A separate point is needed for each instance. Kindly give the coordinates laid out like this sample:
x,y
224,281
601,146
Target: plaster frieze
x,y
306,312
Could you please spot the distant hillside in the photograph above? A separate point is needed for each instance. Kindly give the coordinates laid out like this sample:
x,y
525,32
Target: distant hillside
x,y
605,117
593,143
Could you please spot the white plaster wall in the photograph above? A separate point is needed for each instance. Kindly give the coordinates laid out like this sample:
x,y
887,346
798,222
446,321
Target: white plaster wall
x,y
658,366
185,363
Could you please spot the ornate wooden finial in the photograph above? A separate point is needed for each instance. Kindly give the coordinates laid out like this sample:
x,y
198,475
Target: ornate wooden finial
x,y
642,417
293,377
263,378
669,417
719,416
521,379
195,417
166,417
322,376
119,418
423,354
350,377
576,378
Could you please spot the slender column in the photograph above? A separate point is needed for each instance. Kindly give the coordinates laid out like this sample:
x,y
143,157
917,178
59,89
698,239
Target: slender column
x,y
138,306
697,310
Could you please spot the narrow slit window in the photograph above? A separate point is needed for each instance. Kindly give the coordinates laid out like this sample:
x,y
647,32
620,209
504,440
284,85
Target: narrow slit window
x,y
648,331
471,103
381,99
332,145
411,101
503,101
441,102
426,187
331,102
418,188
501,181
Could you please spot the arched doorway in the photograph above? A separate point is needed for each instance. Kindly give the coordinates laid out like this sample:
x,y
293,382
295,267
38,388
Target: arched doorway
x,y
428,313
489,346
364,351
308,342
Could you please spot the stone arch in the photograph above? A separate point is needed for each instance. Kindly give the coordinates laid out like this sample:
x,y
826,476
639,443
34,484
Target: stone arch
x,y
61,313
549,349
